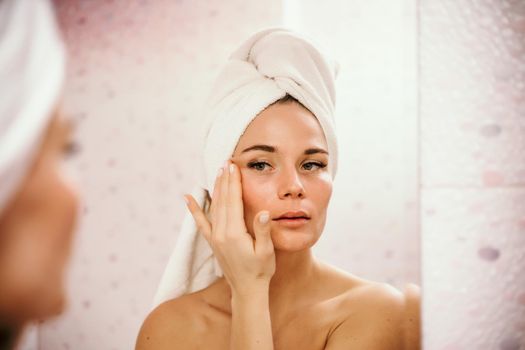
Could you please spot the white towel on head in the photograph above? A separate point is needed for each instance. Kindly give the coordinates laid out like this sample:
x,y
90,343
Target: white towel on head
x,y
267,66
32,61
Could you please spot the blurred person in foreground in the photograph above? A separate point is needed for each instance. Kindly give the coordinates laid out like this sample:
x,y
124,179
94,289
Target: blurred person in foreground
x,y
38,208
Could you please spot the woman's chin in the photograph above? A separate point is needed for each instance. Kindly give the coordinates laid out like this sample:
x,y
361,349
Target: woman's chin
x,y
51,299
39,306
53,306
291,240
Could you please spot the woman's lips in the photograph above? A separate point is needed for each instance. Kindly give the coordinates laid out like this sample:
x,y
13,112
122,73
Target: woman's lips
x,y
292,222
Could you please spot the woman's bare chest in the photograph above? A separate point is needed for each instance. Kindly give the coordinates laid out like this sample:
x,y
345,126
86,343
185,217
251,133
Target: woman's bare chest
x,y
305,330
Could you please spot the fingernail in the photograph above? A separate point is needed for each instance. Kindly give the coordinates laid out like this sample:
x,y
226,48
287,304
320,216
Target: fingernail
x,y
263,219
186,200
232,168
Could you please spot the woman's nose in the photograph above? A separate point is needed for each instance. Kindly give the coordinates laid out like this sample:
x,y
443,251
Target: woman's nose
x,y
290,185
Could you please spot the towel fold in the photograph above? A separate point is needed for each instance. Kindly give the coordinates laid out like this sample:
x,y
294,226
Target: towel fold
x,y
267,66
32,59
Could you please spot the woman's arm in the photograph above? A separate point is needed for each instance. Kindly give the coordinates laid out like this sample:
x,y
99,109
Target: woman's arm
x,y
248,263
251,324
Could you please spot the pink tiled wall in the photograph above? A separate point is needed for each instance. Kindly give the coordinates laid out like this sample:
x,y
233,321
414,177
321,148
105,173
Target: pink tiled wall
x,y
472,87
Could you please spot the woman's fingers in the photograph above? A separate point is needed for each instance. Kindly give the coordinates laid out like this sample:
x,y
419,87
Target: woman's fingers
x,y
227,213
236,211
262,232
227,234
221,210
200,219
215,196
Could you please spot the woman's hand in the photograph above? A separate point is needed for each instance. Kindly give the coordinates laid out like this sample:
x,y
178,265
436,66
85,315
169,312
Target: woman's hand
x,y
248,264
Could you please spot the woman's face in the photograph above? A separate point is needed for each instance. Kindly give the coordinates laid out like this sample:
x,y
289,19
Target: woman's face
x,y
36,233
284,166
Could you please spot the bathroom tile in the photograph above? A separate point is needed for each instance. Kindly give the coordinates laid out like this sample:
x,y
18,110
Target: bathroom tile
x,y
473,265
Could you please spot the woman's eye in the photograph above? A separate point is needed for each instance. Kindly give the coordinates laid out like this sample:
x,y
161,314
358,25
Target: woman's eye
x,y
309,165
259,166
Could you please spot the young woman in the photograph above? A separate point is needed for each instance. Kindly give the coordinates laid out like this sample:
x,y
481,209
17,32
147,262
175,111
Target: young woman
x,y
268,208
38,207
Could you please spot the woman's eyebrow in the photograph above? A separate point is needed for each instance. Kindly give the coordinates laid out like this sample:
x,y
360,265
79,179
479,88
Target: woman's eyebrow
x,y
314,151
273,149
265,148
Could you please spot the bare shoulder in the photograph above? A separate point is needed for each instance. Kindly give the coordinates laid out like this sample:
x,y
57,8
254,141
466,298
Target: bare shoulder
x,y
373,319
352,288
169,323
395,313
412,321
373,315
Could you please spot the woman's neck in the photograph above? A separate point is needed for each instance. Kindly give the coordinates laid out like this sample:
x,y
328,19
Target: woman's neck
x,y
294,273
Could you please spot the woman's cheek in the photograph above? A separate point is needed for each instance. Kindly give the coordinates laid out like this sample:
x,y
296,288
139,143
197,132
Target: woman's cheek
x,y
257,193
323,188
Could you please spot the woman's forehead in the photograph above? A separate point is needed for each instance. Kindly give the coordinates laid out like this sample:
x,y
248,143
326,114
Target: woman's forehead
x,y
284,126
